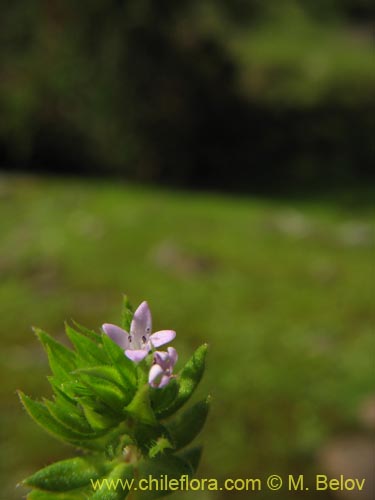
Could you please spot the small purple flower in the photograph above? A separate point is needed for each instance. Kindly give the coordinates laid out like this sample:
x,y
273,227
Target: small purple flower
x,y
139,342
161,371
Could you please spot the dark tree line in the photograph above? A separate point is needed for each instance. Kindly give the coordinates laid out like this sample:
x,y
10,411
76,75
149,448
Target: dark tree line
x,y
151,91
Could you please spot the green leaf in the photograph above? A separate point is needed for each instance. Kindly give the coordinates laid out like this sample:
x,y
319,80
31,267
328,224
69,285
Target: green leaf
x,y
58,367
68,414
161,399
69,387
99,421
188,379
77,389
146,429
93,402
140,407
127,314
167,465
68,474
108,373
91,334
61,359
146,436
47,495
186,426
57,387
192,456
116,485
126,367
107,392
89,352
64,353
42,417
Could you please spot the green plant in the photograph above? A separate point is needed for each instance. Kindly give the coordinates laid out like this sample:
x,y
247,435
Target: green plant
x,y
119,412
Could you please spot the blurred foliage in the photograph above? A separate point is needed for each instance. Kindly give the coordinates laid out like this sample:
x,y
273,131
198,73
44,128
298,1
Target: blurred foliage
x,y
282,291
230,93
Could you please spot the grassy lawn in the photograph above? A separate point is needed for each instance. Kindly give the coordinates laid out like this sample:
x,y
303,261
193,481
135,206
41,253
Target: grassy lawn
x,y
281,290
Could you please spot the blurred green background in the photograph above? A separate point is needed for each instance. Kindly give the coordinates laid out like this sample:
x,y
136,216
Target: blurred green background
x,y
213,158
281,290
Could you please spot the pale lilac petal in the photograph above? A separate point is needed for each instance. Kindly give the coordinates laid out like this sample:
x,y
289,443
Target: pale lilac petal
x,y
136,355
155,372
162,337
164,381
142,322
117,334
173,356
162,359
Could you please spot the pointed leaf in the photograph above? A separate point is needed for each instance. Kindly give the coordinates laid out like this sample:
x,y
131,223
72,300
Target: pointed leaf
x,y
82,494
98,421
161,399
93,402
59,392
108,373
42,417
125,367
126,314
91,334
140,407
76,388
188,379
59,369
89,352
116,485
107,392
69,387
64,353
167,465
61,359
186,426
146,436
68,415
192,456
68,474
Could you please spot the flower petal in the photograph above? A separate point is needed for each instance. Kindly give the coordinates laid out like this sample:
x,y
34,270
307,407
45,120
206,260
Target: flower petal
x,y
136,355
162,337
162,359
142,322
155,372
173,356
117,334
164,381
